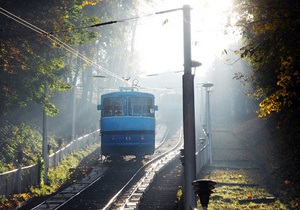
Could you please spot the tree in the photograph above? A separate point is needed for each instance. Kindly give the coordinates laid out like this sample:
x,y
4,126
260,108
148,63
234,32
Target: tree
x,y
270,30
31,57
19,139
37,57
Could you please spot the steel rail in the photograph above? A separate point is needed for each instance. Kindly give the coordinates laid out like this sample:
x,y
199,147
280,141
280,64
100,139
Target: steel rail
x,y
64,197
150,173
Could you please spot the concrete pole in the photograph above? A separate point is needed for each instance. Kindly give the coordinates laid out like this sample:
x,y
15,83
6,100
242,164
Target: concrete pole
x,y
73,112
188,115
45,140
207,86
208,124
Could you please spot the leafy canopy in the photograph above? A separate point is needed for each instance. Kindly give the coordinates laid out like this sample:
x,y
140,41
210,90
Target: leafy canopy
x,y
33,66
270,30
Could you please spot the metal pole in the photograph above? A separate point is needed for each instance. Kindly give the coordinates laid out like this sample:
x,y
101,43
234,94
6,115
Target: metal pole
x,y
207,86
208,124
188,115
45,140
73,112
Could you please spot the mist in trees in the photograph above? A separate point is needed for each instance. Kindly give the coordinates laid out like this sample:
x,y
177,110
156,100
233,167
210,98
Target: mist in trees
x,y
49,57
38,72
270,31
229,100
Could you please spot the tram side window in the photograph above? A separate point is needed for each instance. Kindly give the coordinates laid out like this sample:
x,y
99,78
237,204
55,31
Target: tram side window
x,y
114,107
107,108
140,107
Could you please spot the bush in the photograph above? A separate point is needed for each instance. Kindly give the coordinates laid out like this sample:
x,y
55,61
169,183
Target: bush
x,y
19,145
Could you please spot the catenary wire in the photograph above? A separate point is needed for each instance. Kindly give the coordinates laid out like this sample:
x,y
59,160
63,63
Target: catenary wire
x,y
57,41
131,18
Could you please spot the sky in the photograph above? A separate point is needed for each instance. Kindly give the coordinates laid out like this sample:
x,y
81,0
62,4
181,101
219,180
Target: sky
x,y
160,37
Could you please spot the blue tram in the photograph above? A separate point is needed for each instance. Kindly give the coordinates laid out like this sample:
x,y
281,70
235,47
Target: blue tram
x,y
127,123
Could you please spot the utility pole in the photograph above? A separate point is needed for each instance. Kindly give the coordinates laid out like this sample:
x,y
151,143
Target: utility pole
x,y
45,139
208,119
73,112
188,115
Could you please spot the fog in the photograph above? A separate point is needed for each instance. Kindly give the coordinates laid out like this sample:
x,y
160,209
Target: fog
x,y
155,46
159,54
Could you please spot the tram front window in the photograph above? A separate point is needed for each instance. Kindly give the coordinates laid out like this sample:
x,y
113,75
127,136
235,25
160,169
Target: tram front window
x,y
140,107
114,107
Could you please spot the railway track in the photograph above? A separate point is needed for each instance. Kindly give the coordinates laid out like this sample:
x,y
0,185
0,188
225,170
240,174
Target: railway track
x,y
130,199
116,184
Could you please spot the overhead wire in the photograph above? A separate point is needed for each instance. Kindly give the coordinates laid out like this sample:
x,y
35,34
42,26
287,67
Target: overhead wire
x,y
59,42
21,21
131,18
50,36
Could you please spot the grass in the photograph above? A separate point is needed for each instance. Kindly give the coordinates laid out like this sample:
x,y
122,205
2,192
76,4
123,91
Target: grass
x,y
236,189
251,163
57,177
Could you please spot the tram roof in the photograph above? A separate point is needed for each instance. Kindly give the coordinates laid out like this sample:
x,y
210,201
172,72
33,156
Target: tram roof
x,y
127,93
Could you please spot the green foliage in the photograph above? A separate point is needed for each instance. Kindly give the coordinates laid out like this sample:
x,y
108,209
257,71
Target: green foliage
x,y
41,171
61,173
19,139
2,166
271,45
179,201
30,60
36,68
